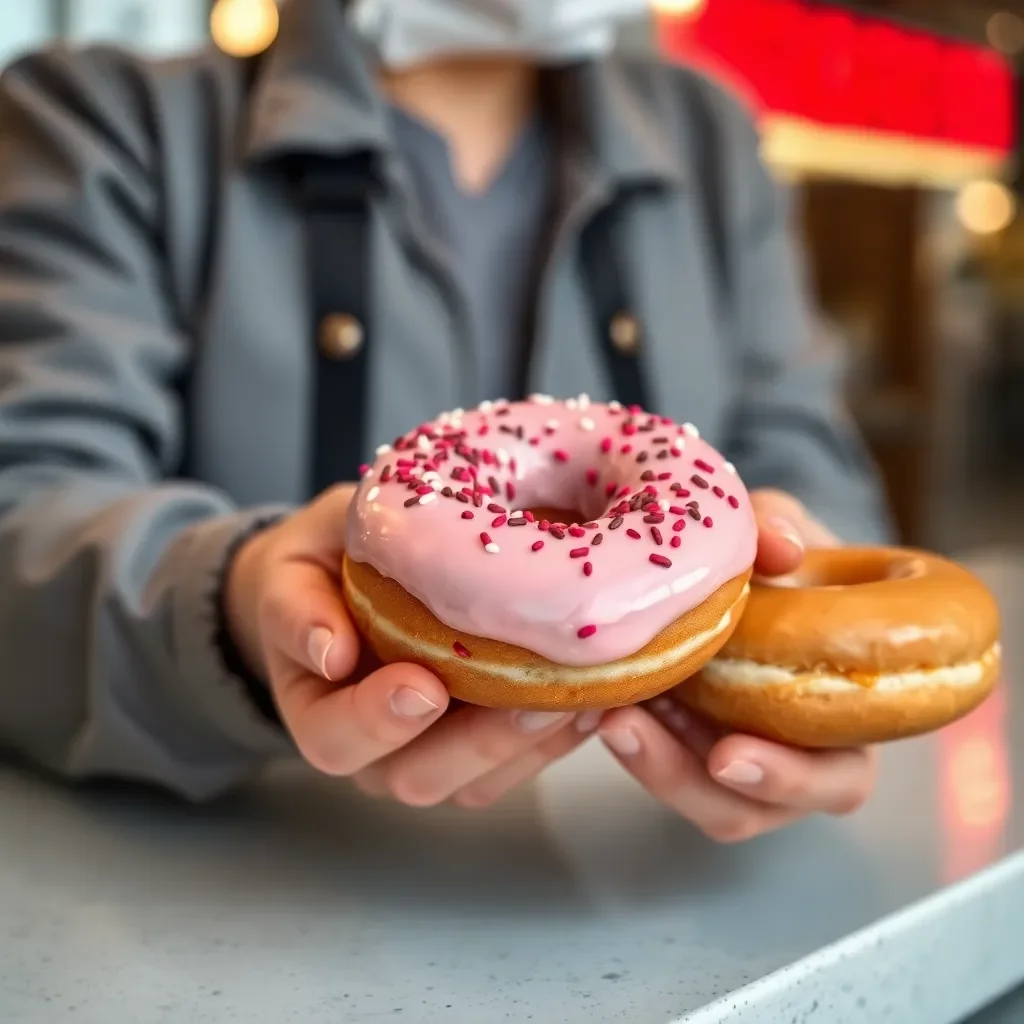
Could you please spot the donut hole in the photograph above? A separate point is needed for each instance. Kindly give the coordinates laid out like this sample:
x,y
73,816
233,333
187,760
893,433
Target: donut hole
x,y
855,572
558,515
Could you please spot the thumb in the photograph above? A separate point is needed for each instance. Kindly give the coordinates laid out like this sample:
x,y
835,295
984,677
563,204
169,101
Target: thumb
x,y
317,532
781,540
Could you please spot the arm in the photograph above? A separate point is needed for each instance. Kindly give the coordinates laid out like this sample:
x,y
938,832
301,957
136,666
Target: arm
x,y
108,573
790,430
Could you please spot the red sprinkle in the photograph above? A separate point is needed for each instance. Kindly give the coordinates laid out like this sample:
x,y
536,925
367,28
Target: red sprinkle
x,y
676,510
534,441
606,445
537,545
664,476
543,525
629,429
577,531
579,552
529,516
701,464
364,469
717,491
733,502
561,455
498,521
483,430
592,477
588,568
708,521
460,650
676,541
485,539
656,534
495,507
424,489
665,563
678,525
610,489
584,631
626,449
632,533
467,514
510,491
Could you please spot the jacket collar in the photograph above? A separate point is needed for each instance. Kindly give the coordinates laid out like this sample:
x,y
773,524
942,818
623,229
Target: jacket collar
x,y
315,92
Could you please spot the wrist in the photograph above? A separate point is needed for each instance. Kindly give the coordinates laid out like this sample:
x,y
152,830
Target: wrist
x,y
240,587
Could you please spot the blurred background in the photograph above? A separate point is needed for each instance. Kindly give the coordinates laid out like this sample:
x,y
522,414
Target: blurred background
x,y
895,123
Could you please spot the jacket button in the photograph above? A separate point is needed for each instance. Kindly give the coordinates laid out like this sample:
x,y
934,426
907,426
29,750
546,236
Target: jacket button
x,y
624,331
341,336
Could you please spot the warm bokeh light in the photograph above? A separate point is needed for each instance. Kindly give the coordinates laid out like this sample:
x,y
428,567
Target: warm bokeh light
x,y
678,8
1005,32
986,207
244,27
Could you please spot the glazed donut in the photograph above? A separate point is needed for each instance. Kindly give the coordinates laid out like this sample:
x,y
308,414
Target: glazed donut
x,y
861,646
546,554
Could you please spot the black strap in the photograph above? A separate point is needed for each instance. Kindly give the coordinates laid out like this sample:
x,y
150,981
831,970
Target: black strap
x,y
336,196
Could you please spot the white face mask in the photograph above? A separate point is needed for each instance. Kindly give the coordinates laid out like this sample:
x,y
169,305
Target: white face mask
x,y
411,31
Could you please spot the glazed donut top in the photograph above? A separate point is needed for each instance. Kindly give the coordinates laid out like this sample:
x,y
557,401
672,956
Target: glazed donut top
x,y
664,522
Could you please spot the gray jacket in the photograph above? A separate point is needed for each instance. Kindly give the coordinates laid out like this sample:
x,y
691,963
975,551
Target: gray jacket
x,y
143,235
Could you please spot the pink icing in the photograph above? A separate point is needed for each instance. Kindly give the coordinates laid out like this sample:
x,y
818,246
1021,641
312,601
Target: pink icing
x,y
509,579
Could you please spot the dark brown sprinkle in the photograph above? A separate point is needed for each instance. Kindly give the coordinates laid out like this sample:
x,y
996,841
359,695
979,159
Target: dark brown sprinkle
x,y
645,428
699,481
590,526
596,539
694,514
414,500
659,440
616,523
647,474
520,433
503,411
663,454
656,534
464,498
717,491
636,501
506,429
643,457
447,492
557,533
478,499
654,517
518,521
492,482
693,504
496,508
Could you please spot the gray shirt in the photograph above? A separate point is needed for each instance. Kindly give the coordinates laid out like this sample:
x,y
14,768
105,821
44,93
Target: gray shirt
x,y
490,241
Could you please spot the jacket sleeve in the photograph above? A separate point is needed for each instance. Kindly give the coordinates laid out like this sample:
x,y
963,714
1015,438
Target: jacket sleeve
x,y
108,567
790,428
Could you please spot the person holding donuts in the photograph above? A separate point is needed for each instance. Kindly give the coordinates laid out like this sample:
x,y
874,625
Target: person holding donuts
x,y
224,283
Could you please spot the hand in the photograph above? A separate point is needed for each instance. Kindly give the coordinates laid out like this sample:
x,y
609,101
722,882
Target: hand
x,y
735,787
385,728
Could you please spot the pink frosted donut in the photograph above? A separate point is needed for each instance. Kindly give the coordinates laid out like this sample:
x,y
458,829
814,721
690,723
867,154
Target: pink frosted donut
x,y
550,554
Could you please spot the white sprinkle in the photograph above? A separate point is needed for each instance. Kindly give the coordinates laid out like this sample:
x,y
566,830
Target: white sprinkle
x,y
541,399
615,405
371,495
492,548
485,406
426,499
520,473
730,468
663,504
551,425
502,456
383,449
571,404
442,420
584,401
430,475
457,414
587,423
514,514
436,484
690,429
422,442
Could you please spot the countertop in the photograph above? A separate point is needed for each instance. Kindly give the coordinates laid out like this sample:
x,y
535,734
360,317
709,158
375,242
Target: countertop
x,y
579,900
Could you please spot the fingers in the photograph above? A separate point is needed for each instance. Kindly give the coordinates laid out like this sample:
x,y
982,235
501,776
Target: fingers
x,y
494,785
458,751
676,775
807,782
318,531
340,731
785,531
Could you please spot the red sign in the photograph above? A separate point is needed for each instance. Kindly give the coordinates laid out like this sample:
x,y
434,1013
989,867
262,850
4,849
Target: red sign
x,y
831,66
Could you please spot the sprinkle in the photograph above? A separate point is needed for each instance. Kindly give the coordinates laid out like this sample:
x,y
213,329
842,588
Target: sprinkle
x,y
539,399
717,491
665,563
557,533
730,468
676,541
364,469
708,521
677,449
460,650
571,404
632,533
447,492
615,406
492,549
579,552
584,401
629,429
694,514
537,545
422,442
676,510
623,490
598,537
616,523
383,449
590,526
626,449
679,524
576,531
467,514
510,491
663,454
543,525
462,496
517,521
372,494
664,476
701,464
385,475
588,568
592,477
498,521
414,500
534,441
733,502
699,481
485,539
492,482
426,499
691,430
482,432
586,423
424,489
643,457
663,505
647,474
495,507
486,405
551,426
561,455
656,534
584,631
606,445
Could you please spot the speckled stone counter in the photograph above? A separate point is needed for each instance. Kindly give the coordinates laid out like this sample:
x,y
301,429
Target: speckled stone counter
x,y
578,901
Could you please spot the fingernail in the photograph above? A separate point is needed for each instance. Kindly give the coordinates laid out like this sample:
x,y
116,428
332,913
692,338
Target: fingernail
x,y
319,646
536,721
588,721
741,773
786,529
409,703
623,741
